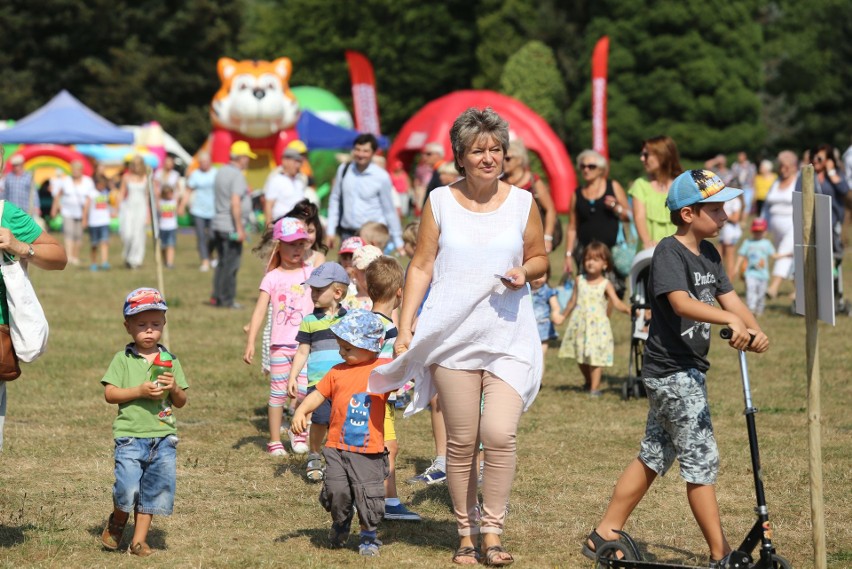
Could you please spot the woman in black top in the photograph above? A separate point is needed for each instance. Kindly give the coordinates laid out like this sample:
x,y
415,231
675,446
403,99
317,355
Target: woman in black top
x,y
596,209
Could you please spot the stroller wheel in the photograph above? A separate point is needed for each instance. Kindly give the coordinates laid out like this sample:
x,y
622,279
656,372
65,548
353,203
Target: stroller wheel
x,y
625,391
638,389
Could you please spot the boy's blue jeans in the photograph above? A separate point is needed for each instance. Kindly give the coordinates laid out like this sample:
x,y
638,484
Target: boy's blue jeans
x,y
145,473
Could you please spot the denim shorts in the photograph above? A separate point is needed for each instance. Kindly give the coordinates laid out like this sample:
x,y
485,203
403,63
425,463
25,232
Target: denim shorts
x,y
679,427
145,472
322,414
168,237
98,234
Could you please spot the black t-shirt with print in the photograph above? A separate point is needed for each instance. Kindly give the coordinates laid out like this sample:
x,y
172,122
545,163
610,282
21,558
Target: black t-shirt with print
x,y
674,343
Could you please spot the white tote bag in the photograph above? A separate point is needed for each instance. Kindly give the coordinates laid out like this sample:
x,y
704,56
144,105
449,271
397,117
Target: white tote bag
x,y
27,322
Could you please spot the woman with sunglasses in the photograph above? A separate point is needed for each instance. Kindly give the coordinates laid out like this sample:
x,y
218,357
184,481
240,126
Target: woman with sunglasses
x,y
662,164
596,209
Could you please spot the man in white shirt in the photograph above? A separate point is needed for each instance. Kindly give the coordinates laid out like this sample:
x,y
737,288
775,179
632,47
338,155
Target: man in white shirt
x,y
284,187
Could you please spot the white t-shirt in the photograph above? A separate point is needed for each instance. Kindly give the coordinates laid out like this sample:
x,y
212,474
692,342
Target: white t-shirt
x,y
99,213
74,196
284,191
168,214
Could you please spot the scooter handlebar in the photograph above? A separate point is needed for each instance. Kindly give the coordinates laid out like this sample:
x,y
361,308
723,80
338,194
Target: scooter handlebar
x,y
726,334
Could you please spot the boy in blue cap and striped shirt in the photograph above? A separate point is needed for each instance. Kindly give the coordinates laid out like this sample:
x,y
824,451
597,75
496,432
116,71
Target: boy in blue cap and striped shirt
x,y
318,348
687,278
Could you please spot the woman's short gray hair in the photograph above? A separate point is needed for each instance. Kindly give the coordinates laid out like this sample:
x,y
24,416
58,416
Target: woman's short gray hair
x,y
471,125
519,149
597,158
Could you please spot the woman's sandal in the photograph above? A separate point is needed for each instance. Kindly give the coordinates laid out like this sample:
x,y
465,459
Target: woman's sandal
x,y
597,541
493,558
466,552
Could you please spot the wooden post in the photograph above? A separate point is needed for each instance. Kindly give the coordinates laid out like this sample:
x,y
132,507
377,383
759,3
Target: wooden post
x,y
158,256
812,347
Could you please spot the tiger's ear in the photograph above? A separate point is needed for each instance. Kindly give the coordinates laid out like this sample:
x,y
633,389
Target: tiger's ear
x,y
283,67
226,67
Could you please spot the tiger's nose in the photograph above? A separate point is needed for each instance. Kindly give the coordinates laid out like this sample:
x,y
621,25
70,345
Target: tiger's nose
x,y
259,93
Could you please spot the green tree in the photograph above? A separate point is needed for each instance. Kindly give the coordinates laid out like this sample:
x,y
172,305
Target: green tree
x,y
418,51
131,61
808,62
687,68
531,76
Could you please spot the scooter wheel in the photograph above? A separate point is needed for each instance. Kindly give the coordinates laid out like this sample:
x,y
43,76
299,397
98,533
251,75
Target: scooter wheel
x,y
612,550
778,562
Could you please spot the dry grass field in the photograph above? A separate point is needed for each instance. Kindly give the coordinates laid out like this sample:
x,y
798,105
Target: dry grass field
x,y
237,507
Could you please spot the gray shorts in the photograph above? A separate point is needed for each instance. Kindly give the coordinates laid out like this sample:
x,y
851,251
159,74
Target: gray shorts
x,y
679,427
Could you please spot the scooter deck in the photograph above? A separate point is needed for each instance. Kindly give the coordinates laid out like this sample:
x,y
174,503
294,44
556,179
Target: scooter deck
x,y
633,564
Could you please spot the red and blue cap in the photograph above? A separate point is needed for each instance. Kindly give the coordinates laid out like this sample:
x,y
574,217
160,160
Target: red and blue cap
x,y
143,299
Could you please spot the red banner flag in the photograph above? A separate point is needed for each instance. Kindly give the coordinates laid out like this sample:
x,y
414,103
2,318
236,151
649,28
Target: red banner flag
x,y
600,58
363,93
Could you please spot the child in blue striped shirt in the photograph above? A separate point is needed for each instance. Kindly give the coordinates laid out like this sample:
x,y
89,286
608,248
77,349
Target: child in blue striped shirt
x,y
318,348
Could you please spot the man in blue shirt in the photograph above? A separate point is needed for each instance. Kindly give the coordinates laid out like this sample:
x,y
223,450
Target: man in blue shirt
x,y
17,186
362,192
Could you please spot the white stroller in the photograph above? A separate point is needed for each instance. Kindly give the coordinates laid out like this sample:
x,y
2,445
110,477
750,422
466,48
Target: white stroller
x,y
639,272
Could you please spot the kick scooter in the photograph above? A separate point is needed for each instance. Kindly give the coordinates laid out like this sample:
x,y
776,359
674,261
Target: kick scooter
x,y
760,534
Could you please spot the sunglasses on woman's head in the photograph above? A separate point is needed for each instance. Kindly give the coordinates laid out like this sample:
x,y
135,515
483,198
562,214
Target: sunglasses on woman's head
x,y
588,166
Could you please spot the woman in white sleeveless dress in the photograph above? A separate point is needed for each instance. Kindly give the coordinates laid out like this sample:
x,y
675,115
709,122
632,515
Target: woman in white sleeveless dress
x,y
134,212
778,211
480,242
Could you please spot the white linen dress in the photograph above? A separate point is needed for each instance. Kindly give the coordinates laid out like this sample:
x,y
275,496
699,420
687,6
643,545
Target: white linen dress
x,y
470,320
778,211
134,216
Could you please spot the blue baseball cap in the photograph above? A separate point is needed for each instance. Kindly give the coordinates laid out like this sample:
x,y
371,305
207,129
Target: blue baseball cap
x,y
143,299
326,274
698,186
361,328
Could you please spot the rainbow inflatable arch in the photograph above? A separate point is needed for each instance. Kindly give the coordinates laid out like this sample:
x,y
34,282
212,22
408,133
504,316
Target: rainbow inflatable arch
x,y
44,159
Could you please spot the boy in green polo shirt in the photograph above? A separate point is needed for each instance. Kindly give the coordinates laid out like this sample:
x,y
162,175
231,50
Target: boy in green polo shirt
x,y
144,430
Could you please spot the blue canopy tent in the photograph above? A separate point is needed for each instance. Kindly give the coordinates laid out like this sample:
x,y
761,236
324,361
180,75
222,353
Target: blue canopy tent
x,y
65,120
318,134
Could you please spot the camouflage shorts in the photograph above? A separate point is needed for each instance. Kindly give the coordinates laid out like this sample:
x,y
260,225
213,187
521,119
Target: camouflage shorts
x,y
679,427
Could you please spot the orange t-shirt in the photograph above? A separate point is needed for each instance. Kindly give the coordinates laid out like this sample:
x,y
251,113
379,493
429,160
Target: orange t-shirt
x,y
357,417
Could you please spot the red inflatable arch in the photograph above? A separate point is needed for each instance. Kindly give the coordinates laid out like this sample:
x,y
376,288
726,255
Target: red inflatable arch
x,y
432,124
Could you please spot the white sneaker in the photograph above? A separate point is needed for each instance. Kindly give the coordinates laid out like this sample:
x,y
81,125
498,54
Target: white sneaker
x,y
298,443
214,263
276,449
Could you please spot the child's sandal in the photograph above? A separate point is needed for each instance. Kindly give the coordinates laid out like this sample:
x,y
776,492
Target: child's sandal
x,y
111,536
314,468
597,541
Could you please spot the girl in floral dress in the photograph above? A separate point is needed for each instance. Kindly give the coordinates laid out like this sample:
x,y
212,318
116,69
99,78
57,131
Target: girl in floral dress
x,y
588,336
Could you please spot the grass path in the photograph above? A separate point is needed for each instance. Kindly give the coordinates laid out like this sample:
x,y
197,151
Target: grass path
x,y
237,507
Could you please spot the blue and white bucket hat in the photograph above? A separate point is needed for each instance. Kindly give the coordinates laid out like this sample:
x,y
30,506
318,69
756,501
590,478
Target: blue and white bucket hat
x,y
361,328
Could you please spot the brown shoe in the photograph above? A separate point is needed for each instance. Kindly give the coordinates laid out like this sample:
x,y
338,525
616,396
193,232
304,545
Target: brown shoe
x,y
140,549
111,536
